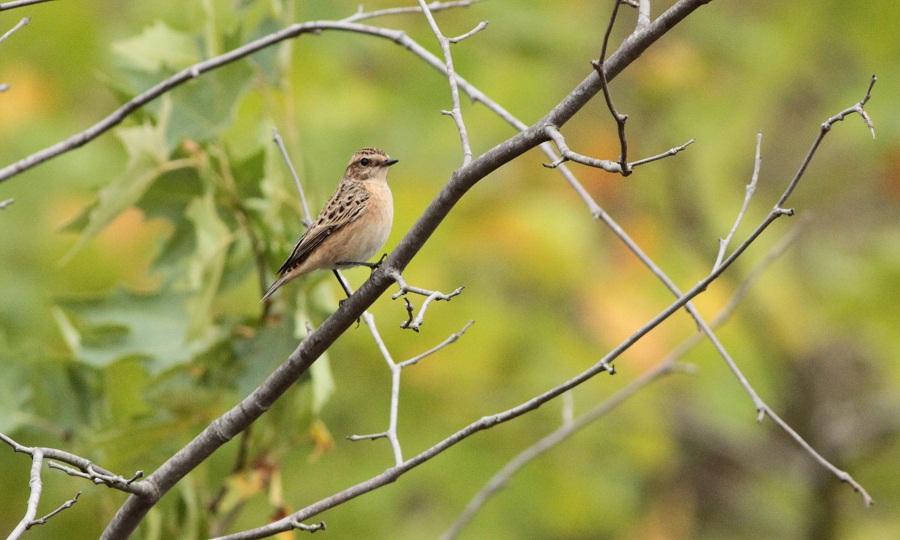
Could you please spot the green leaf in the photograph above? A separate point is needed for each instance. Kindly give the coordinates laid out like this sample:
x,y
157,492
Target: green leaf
x,y
125,383
158,48
263,352
147,157
322,383
322,380
207,262
204,107
127,325
15,393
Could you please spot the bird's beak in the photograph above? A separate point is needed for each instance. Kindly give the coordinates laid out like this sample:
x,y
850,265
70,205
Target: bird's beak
x,y
390,162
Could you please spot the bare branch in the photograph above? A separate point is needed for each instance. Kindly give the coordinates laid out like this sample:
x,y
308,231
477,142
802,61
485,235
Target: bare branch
x,y
452,339
777,212
561,434
415,323
391,433
567,155
320,526
21,3
643,20
619,118
570,426
370,437
750,190
260,400
456,112
83,468
395,369
307,220
667,153
826,127
434,7
80,139
68,504
34,497
376,283
610,166
21,23
7,202
481,26
487,422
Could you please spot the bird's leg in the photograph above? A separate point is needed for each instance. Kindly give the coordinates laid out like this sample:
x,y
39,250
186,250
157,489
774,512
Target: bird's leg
x,y
346,291
343,286
371,266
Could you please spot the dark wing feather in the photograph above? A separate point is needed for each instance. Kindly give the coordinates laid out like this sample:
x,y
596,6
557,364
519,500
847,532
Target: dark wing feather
x,y
344,207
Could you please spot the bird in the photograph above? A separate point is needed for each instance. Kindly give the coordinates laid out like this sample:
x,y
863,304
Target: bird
x,y
352,227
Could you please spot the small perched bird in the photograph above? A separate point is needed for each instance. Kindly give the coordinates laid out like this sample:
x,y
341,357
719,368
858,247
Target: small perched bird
x,y
352,227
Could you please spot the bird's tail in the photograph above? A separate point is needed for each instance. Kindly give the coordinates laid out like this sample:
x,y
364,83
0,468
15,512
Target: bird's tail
x,y
281,281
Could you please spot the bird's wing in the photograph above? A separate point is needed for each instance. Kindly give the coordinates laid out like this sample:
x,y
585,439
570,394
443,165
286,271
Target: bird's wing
x,y
345,206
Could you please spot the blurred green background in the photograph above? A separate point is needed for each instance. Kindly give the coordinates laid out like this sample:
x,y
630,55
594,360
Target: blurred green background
x,y
128,324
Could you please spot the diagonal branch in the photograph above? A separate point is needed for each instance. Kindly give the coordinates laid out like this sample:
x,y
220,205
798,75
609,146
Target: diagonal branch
x,y
21,3
250,408
435,6
569,427
601,70
84,468
23,22
34,497
487,422
456,111
603,365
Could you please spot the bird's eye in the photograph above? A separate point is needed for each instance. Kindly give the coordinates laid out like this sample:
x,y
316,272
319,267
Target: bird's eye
x,y
364,162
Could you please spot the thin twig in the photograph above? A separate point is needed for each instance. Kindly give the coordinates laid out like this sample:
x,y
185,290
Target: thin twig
x,y
232,422
84,468
119,115
21,3
320,526
395,368
430,296
306,219
21,23
487,422
35,486
643,18
68,504
826,127
748,195
7,202
481,26
434,7
456,111
601,71
570,426
452,339
667,153
561,434
566,154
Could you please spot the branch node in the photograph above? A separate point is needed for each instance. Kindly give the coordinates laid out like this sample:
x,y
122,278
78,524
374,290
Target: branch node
x,y
372,437
481,26
63,506
320,526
